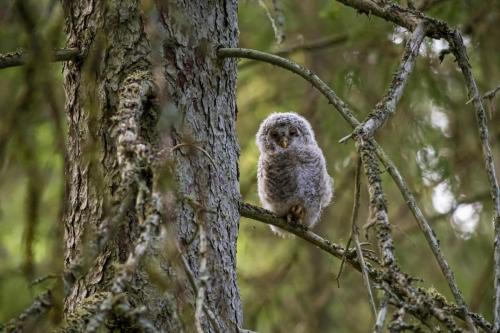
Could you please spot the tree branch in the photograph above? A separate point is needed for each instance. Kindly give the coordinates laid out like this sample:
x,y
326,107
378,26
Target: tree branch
x,y
378,207
380,318
406,17
297,69
20,58
387,106
262,215
25,320
203,275
460,53
313,45
355,237
133,157
399,285
194,285
492,93
410,18
347,114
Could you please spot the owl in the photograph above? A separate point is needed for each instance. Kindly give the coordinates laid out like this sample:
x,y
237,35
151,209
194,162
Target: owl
x,y
292,178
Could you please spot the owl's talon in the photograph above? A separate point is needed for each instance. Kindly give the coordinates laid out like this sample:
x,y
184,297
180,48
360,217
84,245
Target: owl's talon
x,y
368,251
295,215
296,210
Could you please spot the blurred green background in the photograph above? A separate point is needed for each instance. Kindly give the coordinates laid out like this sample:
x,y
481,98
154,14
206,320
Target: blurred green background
x,y
287,285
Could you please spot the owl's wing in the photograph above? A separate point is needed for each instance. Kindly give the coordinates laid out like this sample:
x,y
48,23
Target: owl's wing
x,y
313,160
328,192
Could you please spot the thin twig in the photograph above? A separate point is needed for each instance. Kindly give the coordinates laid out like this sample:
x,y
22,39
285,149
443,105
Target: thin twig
x,y
460,53
20,58
133,156
491,94
380,318
43,279
317,44
203,276
194,286
297,69
29,316
355,237
387,106
378,207
194,145
342,261
409,20
277,28
421,300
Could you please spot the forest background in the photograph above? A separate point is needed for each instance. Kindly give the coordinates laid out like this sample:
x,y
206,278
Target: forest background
x,y
287,285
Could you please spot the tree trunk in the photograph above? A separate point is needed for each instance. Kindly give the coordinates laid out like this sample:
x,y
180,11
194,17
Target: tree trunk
x,y
202,93
103,218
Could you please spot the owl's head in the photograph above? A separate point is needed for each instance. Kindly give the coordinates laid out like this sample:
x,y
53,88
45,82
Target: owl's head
x,y
282,131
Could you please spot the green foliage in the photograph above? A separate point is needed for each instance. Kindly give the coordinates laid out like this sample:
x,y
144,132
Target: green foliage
x,y
286,284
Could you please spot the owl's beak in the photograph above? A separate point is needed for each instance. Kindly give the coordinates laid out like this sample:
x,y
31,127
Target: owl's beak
x,y
284,142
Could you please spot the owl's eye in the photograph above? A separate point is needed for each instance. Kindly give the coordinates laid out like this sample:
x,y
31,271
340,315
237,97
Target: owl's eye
x,y
294,132
274,135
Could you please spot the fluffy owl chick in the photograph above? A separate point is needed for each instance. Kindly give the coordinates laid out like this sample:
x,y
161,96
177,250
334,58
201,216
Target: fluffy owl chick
x,y
292,178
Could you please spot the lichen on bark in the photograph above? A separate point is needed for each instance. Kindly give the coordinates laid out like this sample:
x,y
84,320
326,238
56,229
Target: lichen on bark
x,y
113,139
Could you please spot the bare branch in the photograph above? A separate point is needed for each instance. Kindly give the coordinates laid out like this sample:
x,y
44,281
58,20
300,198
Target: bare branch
x,y
355,237
126,271
380,318
460,53
203,276
347,114
133,156
313,45
409,18
20,58
387,106
378,207
277,22
29,316
379,217
406,17
297,69
262,215
398,324
316,44
397,284
194,285
492,93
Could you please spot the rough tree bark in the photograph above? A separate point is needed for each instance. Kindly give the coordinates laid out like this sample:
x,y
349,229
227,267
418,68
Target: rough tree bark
x,y
201,90
102,219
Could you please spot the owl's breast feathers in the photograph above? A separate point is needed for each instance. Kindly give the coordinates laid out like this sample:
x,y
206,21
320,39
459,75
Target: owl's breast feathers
x,y
278,176
291,174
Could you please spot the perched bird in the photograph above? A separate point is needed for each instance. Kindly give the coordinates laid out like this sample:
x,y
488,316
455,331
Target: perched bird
x,y
292,178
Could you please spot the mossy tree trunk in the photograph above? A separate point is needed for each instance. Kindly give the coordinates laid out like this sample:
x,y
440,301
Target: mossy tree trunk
x,y
103,218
